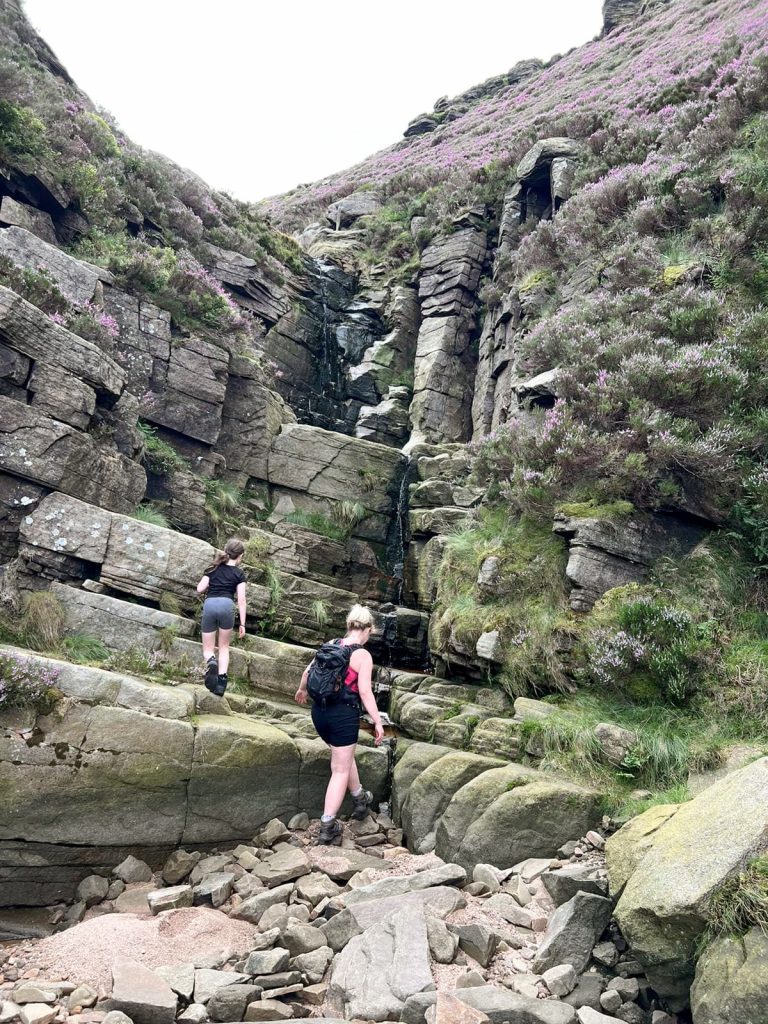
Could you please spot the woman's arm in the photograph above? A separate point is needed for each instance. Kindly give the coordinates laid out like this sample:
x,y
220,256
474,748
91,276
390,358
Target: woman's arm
x,y
364,670
241,607
202,586
301,693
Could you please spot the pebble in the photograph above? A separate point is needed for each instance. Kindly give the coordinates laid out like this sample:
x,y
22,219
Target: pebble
x,y
596,840
610,1000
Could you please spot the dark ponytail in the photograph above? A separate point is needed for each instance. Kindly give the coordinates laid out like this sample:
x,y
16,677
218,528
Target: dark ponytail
x,y
232,549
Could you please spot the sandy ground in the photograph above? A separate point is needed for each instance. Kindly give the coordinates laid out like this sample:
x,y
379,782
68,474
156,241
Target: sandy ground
x,y
86,952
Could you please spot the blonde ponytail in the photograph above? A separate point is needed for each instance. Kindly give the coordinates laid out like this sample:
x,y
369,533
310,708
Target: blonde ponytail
x,y
359,617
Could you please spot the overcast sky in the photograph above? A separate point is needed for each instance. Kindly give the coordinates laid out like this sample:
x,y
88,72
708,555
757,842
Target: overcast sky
x,y
258,96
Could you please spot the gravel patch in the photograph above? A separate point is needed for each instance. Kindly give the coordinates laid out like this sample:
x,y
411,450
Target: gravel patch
x,y
85,953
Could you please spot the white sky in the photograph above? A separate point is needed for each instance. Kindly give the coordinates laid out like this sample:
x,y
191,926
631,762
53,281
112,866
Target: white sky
x,y
258,96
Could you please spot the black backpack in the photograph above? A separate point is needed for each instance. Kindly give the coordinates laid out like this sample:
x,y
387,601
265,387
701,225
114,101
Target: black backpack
x,y
325,682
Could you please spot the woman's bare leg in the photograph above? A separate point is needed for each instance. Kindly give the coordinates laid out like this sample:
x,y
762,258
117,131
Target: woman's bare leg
x,y
225,635
209,645
353,780
342,761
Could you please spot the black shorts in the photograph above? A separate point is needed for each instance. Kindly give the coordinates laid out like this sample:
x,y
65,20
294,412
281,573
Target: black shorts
x,y
218,613
338,724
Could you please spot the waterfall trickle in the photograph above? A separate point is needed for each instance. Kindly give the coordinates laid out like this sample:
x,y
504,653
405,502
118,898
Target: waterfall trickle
x,y
401,534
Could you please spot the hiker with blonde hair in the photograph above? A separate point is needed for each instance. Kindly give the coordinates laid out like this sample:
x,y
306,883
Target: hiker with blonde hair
x,y
338,679
223,582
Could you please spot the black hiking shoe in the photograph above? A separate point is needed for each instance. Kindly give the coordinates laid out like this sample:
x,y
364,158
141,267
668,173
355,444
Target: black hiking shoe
x,y
329,831
211,673
221,685
361,804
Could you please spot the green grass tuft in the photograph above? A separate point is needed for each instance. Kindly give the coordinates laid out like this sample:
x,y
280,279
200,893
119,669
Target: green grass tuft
x,y
159,457
149,513
84,649
742,902
42,620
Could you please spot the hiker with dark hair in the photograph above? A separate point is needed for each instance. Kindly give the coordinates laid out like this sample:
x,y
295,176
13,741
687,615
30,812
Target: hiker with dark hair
x,y
224,581
338,680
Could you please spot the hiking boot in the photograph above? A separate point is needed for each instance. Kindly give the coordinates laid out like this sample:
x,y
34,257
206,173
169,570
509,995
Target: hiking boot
x,y
329,830
221,685
211,673
361,804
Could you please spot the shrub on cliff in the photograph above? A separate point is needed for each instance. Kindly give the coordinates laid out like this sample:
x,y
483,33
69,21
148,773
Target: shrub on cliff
x,y
26,683
653,650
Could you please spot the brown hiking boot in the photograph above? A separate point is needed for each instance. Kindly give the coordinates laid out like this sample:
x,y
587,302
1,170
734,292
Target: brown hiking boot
x,y
211,673
329,831
361,804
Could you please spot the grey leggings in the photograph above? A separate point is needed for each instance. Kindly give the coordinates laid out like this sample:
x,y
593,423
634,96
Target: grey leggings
x,y
218,613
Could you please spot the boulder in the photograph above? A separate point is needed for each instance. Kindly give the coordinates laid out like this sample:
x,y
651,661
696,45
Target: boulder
x,y
179,865
508,814
439,901
346,211
614,550
214,890
141,994
229,1002
588,1015
560,980
208,981
170,899
619,12
301,938
252,417
587,993
133,870
626,848
329,466
282,867
181,978
195,383
93,889
316,887
663,908
614,741
117,623
378,971
500,1006
29,993
51,453
195,1013
442,942
83,996
432,790
253,908
268,1010
278,981
77,281
37,1013
450,1010
572,931
134,900
506,906
563,884
478,941
37,222
340,865
314,964
731,982
538,160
